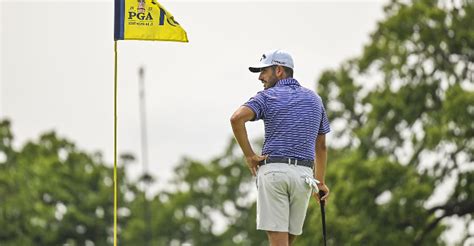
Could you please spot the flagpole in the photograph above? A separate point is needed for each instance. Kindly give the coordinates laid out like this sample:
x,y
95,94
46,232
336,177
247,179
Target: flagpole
x,y
162,31
115,145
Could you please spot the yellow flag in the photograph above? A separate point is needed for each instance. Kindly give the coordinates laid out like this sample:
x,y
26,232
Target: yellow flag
x,y
146,20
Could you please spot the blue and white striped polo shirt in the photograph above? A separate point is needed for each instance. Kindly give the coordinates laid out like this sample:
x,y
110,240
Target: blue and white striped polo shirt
x,y
293,117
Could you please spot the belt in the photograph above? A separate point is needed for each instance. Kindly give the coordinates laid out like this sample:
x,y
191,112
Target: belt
x,y
290,161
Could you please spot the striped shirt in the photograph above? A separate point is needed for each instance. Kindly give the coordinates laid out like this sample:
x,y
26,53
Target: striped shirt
x,y
293,117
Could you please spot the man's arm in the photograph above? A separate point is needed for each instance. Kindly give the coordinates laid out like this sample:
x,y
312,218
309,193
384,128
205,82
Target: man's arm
x,y
238,120
321,158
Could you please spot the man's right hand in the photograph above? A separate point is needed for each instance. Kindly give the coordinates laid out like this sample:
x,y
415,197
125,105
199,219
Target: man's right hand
x,y
322,187
253,162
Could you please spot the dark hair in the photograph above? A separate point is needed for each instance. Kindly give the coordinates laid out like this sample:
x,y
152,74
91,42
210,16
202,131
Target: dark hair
x,y
288,71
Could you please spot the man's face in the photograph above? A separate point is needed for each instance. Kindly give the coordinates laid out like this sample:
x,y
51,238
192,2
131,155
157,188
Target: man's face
x,y
268,77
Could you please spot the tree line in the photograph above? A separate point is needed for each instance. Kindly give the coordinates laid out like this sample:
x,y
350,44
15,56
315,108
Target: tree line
x,y
403,126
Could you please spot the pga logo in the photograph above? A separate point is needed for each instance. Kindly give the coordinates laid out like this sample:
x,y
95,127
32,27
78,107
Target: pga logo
x,y
142,16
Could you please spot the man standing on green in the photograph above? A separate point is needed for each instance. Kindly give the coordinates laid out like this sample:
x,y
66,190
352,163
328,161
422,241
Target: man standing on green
x,y
295,126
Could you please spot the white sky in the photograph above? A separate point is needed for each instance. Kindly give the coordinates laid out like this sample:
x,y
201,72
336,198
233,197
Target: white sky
x,y
57,70
57,67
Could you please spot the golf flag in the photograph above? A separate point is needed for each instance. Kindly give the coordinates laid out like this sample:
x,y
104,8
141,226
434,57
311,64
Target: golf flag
x,y
146,20
139,20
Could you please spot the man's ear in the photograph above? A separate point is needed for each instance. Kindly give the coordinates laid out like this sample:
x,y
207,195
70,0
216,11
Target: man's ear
x,y
279,71
283,72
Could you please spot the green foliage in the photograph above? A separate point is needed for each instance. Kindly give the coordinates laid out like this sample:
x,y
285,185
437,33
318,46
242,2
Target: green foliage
x,y
407,116
403,124
209,204
51,193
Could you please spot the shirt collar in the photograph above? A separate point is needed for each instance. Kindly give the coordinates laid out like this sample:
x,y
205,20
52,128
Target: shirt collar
x,y
287,81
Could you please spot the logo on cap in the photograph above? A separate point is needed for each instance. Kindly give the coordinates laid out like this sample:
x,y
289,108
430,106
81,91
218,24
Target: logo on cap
x,y
279,62
263,57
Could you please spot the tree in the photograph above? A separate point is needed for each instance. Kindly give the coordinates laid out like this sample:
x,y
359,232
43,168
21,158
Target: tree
x,y
208,204
403,123
51,193
406,116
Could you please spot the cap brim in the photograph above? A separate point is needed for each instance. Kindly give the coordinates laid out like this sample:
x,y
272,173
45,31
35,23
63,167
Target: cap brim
x,y
258,68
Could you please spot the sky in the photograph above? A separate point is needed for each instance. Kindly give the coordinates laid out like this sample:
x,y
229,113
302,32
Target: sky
x,y
57,70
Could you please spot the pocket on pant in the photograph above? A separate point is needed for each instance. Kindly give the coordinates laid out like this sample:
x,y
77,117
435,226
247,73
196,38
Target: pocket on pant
x,y
274,176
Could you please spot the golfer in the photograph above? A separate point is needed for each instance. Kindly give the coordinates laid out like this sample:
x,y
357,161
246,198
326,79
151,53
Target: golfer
x,y
295,126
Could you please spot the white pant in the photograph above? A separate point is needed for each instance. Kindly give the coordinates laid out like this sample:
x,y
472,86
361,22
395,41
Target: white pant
x,y
283,197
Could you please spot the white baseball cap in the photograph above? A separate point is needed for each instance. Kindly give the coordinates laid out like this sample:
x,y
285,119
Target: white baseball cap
x,y
271,58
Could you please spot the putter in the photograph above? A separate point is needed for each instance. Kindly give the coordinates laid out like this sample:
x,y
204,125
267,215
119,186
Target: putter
x,y
323,214
313,183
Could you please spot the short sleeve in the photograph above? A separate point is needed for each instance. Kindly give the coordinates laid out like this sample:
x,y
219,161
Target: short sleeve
x,y
257,105
324,127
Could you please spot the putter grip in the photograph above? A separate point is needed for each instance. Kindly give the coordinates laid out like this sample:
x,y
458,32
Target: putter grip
x,y
321,194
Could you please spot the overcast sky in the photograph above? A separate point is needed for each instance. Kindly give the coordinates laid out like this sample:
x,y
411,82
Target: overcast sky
x,y
57,70
57,67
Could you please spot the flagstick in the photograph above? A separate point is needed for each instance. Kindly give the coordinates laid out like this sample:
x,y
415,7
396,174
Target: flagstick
x,y
115,145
